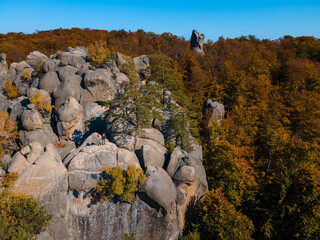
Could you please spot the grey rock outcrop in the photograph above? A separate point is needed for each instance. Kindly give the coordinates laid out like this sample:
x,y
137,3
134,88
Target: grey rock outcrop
x,y
47,181
70,87
44,135
160,188
70,117
18,163
85,168
213,111
3,64
151,153
74,57
49,82
152,134
51,65
36,58
100,84
31,120
196,42
178,157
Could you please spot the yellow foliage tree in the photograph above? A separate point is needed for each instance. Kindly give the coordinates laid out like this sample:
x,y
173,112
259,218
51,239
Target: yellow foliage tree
x,y
8,130
99,52
11,90
119,183
42,103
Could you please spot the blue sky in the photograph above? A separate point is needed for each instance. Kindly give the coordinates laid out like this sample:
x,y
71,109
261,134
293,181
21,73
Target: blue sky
x,y
264,19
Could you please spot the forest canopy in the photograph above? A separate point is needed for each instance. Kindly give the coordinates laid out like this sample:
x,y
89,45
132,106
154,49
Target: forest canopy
x,y
262,162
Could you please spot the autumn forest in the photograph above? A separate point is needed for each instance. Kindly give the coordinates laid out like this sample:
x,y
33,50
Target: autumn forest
x,y
263,160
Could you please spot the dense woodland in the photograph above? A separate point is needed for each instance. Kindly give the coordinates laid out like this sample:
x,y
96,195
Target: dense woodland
x,y
263,162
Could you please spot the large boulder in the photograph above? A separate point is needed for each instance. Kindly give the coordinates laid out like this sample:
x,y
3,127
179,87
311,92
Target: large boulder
x,y
86,166
100,84
152,134
31,120
51,65
123,140
213,111
19,67
159,187
196,42
127,158
74,57
49,82
3,64
23,80
18,163
44,136
47,181
67,72
91,109
151,153
34,59
70,117
70,87
4,103
141,62
185,174
177,158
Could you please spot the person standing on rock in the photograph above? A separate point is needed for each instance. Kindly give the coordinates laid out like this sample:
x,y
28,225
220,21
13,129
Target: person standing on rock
x,y
104,139
98,139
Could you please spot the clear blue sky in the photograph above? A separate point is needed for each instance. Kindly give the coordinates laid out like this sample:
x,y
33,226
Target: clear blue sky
x,y
264,19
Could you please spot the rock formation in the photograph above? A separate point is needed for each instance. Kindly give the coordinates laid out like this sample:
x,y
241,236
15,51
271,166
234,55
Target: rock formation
x,y
196,42
61,163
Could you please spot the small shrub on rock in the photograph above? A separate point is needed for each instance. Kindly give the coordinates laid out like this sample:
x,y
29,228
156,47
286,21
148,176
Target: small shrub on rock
x,y
11,91
42,103
120,184
26,75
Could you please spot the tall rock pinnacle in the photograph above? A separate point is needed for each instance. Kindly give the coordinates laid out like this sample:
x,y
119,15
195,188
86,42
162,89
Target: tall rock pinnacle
x,y
196,42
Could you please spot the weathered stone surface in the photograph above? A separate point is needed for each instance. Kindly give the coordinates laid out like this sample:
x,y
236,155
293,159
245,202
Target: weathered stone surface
x,y
177,158
91,108
160,188
116,219
65,90
152,134
196,42
74,58
94,157
151,153
127,158
4,103
70,116
21,82
123,140
213,111
101,84
18,163
185,174
36,149
121,78
36,58
51,65
141,62
66,72
21,66
16,110
120,59
31,120
49,82
47,181
24,151
85,168
44,135
3,64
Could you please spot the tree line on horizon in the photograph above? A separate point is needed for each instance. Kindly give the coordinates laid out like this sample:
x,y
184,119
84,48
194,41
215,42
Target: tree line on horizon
x,y
262,162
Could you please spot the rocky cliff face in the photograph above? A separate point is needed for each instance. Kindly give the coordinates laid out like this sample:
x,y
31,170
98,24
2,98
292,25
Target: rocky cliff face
x,y
61,162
